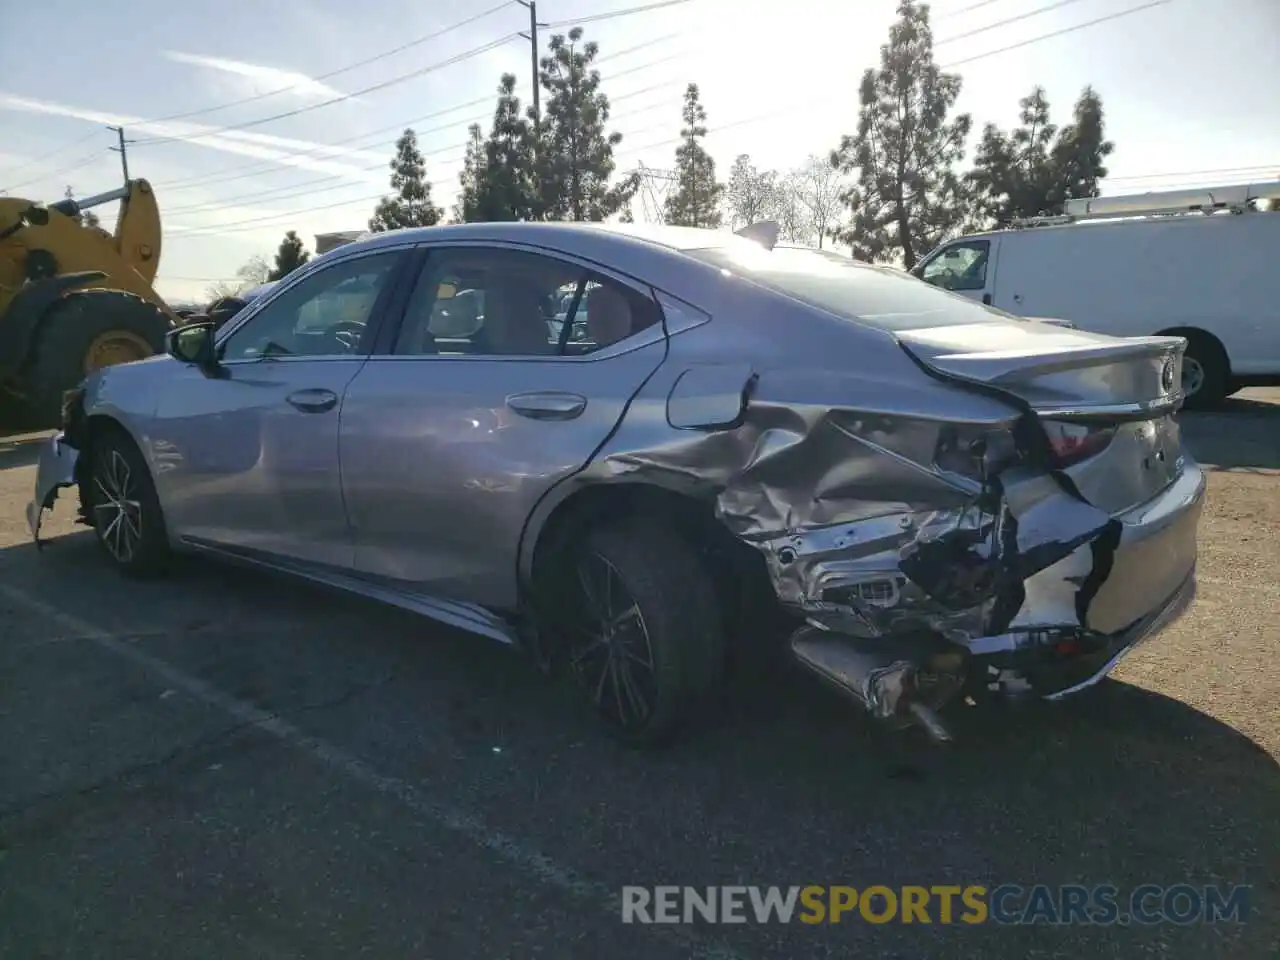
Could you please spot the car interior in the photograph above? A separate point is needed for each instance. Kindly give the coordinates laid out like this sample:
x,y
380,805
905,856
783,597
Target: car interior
x,y
514,309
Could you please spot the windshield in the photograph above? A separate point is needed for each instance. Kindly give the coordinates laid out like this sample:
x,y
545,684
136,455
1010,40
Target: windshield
x,y
880,296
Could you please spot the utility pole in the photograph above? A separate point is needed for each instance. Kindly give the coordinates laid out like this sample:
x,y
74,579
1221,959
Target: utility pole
x,y
124,156
532,37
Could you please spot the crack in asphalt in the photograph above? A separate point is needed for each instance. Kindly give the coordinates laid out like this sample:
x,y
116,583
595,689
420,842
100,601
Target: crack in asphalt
x,y
146,766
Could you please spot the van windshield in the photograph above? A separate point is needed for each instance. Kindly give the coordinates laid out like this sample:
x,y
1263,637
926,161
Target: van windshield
x,y
878,296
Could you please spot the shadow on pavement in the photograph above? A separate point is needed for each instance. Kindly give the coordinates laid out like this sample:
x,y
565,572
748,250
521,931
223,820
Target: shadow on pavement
x,y
20,451
789,785
1241,435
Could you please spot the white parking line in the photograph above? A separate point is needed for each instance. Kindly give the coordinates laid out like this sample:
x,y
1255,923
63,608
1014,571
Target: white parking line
x,y
508,848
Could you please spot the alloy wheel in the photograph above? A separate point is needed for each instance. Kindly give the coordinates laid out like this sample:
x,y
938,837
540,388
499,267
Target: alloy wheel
x,y
610,653
117,510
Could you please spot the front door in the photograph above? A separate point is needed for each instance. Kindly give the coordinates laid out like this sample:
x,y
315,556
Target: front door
x,y
247,460
962,268
491,393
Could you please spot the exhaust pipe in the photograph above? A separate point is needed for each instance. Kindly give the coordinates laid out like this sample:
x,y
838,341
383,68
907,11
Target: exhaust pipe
x,y
883,682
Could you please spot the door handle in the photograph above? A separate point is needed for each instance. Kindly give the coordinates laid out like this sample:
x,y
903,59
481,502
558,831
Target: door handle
x,y
313,401
547,405
986,298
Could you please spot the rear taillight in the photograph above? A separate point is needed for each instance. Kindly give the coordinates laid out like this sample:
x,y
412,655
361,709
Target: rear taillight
x,y
976,452
1073,442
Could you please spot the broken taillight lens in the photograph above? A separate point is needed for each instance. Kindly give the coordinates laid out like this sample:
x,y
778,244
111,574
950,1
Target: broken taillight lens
x,y
1074,442
975,451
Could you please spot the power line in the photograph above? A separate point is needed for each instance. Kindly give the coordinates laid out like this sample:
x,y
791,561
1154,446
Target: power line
x,y
83,162
319,149
769,114
284,192
946,15
1261,169
341,70
754,118
616,13
272,93
1007,21
1058,33
421,71
46,156
317,153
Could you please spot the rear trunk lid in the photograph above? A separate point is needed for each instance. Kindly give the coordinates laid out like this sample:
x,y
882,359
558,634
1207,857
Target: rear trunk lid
x,y
1106,403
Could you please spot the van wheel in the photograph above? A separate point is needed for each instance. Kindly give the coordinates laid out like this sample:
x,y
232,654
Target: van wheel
x,y
1204,372
644,642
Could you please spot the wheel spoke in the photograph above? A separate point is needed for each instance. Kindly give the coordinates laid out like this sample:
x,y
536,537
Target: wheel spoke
x,y
638,703
120,471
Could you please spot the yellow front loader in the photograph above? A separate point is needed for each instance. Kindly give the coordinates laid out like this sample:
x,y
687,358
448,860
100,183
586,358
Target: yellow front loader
x,y
73,297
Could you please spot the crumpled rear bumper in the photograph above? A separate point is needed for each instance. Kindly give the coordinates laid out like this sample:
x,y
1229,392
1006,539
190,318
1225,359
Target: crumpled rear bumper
x,y
1048,628
56,469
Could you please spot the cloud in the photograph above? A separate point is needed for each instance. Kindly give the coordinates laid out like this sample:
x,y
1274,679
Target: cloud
x,y
275,78
258,146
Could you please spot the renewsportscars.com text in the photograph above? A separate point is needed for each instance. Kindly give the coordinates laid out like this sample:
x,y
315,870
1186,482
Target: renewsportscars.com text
x,y
1014,904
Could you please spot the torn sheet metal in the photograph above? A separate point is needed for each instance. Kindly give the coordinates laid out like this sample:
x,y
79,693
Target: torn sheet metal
x,y
56,469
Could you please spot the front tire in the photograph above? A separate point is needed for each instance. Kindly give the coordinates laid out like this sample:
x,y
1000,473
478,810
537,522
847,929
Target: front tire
x,y
119,499
644,642
81,333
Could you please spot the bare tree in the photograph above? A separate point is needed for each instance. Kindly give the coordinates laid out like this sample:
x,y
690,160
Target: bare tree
x,y
253,272
751,194
789,209
819,192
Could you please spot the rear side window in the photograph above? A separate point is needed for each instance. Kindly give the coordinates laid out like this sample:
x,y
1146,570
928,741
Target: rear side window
x,y
476,301
879,296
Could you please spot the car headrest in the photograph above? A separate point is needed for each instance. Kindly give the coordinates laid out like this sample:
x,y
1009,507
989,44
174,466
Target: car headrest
x,y
608,316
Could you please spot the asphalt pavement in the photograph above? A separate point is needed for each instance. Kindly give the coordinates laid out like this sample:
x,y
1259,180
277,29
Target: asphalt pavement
x,y
227,764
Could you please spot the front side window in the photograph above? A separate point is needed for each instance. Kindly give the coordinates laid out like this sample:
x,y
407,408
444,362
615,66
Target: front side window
x,y
962,266
495,302
322,315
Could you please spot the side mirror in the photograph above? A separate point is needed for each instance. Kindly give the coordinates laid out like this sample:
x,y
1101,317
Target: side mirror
x,y
193,343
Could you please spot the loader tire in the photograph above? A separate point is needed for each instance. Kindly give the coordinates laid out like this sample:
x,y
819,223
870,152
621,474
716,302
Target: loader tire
x,y
82,333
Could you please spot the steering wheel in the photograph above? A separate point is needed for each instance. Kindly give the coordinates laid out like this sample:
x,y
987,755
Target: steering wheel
x,y
348,333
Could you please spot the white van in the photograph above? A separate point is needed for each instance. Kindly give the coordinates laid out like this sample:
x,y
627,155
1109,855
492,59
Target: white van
x,y
1201,264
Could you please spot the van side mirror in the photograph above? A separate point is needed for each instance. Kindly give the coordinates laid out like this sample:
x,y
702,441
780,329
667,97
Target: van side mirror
x,y
193,343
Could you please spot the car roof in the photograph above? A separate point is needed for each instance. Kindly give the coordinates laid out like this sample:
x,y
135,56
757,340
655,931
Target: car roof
x,y
619,235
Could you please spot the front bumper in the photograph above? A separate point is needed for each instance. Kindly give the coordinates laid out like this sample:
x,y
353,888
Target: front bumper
x,y
56,469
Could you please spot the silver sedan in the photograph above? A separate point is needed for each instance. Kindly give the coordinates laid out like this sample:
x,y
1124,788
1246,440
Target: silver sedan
x,y
746,448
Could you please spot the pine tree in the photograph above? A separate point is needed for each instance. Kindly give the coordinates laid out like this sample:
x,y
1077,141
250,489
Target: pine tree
x,y
1079,156
411,206
1029,173
471,180
907,197
1013,174
510,193
696,202
575,154
290,255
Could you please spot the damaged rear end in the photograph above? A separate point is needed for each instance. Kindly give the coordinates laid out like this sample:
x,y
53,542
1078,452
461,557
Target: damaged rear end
x,y
1066,535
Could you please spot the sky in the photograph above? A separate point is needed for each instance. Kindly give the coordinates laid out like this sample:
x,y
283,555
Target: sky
x,y
1191,90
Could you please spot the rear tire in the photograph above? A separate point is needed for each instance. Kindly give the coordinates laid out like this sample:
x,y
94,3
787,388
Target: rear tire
x,y
118,497
1205,371
642,631
82,327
